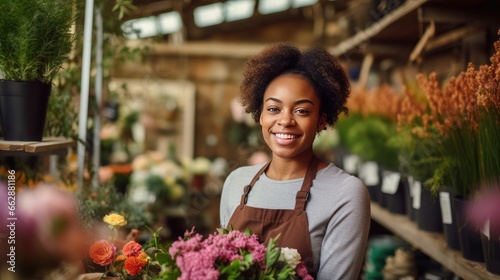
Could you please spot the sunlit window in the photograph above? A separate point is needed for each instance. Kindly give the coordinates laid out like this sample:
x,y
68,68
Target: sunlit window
x,y
209,15
273,6
140,28
303,3
170,22
241,9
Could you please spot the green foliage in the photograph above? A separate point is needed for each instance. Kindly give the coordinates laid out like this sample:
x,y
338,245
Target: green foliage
x,y
67,83
344,124
368,137
461,149
421,158
36,38
61,103
156,185
95,204
488,145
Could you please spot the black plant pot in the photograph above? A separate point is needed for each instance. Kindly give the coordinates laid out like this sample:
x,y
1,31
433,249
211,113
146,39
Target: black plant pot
x,y
23,109
429,213
410,211
491,250
470,237
450,228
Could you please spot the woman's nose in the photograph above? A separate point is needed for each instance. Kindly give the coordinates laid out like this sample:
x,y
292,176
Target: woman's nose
x,y
286,119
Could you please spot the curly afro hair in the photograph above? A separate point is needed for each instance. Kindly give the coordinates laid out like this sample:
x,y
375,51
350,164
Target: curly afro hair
x,y
316,65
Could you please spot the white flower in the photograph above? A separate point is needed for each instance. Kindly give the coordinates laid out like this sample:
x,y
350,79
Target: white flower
x,y
290,256
167,168
140,162
200,166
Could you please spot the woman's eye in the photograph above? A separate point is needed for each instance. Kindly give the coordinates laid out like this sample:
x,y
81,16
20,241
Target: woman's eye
x,y
301,111
272,109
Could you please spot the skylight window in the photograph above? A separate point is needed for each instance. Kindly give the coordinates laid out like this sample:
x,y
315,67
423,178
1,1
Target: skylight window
x,y
209,15
170,22
238,10
273,6
140,28
303,3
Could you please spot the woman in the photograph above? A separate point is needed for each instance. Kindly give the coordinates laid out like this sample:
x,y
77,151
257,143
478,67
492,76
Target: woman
x,y
313,205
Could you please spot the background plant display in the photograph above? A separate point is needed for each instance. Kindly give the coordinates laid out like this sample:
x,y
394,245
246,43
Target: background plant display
x,y
459,121
370,125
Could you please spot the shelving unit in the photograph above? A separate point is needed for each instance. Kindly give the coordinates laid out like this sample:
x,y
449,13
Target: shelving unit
x,y
49,145
430,243
175,127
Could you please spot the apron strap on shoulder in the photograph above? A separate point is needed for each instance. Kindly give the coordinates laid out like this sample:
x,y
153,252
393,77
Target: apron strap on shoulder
x,y
300,200
248,188
303,195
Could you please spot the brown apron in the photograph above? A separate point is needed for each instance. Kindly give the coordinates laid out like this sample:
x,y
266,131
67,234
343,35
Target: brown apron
x,y
291,225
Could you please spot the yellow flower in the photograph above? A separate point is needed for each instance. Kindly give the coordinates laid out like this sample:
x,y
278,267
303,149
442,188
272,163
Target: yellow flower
x,y
115,220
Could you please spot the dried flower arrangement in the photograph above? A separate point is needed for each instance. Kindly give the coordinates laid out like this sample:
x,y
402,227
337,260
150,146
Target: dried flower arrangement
x,y
452,130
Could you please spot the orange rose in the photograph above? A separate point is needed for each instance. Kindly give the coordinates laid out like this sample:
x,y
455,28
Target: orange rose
x,y
132,249
119,260
134,265
102,252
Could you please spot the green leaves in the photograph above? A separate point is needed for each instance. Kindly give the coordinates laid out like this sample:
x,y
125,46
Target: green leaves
x,y
272,253
36,38
123,7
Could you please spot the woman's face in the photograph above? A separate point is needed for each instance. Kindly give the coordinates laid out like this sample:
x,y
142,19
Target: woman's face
x,y
290,116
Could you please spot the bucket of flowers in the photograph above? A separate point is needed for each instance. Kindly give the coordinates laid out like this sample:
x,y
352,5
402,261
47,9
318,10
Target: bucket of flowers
x,y
223,254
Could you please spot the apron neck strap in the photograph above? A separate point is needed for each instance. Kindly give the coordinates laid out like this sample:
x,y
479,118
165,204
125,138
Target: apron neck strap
x,y
248,187
303,195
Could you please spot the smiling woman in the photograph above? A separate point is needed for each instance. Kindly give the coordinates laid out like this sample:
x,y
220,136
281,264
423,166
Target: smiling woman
x,y
313,205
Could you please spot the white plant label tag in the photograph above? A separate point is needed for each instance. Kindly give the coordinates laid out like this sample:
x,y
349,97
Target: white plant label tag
x,y
445,202
390,182
486,229
410,185
351,163
416,190
370,173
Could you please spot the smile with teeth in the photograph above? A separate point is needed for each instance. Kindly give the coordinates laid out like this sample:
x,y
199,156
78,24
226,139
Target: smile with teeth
x,y
285,136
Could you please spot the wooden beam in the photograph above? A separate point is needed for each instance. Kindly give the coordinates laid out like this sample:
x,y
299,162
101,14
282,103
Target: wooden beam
x,y
429,32
365,70
377,27
204,48
452,36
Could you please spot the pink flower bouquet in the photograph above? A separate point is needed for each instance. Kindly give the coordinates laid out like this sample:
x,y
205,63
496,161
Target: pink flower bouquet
x,y
230,255
222,255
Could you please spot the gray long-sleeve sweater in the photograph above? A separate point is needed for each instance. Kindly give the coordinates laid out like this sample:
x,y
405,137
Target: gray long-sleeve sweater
x,y
338,211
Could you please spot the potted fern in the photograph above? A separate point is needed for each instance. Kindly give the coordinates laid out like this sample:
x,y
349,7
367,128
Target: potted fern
x,y
35,41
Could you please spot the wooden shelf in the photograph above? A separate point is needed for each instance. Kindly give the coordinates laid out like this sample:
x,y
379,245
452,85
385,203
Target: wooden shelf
x,y
432,244
49,145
